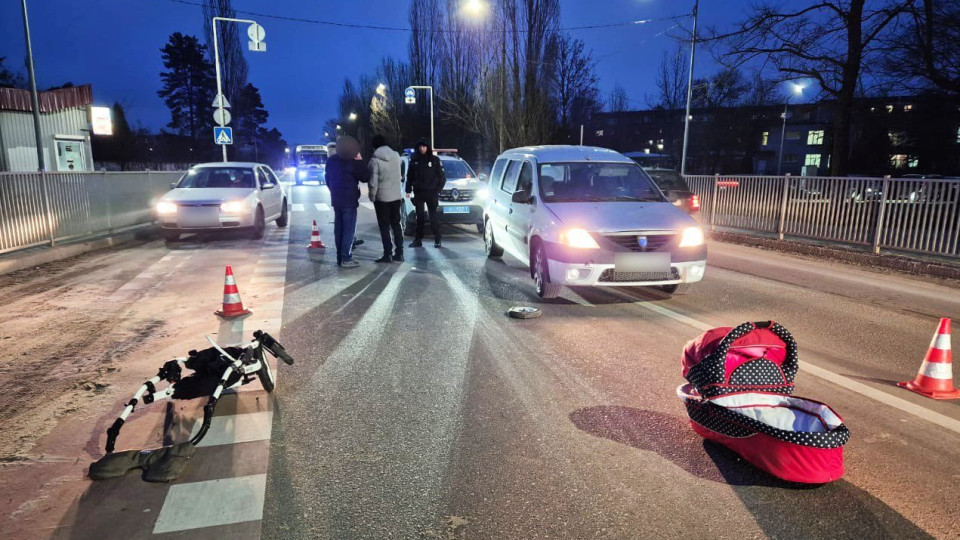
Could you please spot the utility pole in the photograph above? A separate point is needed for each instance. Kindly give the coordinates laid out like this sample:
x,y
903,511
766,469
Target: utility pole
x,y
686,118
34,100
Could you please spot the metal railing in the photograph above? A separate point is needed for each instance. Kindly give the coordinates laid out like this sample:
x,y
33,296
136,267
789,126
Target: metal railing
x,y
901,214
46,208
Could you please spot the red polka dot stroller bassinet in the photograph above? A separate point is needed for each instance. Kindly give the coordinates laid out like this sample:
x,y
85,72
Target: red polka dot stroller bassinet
x,y
741,381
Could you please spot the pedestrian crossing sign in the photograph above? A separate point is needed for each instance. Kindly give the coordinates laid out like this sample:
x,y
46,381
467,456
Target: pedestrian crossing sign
x,y
223,135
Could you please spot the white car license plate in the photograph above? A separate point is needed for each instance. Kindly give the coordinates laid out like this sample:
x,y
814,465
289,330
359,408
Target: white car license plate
x,y
642,262
456,209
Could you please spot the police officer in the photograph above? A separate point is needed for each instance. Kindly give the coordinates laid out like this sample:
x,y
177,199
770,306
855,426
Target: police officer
x,y
425,178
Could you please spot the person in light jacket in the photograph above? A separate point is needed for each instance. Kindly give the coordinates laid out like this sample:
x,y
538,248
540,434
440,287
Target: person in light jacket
x,y
386,195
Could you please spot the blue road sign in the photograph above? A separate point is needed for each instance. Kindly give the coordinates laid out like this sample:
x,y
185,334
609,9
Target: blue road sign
x,y
223,135
410,93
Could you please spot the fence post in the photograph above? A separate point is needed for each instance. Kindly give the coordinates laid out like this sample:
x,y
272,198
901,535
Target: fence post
x,y
880,214
107,196
48,210
713,202
781,224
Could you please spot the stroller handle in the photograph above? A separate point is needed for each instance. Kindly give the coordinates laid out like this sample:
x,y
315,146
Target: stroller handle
x,y
273,346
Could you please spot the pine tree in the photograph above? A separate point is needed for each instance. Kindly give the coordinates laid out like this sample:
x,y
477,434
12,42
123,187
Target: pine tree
x,y
189,85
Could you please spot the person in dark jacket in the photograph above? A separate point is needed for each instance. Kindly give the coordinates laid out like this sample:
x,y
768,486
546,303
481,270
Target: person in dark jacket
x,y
344,172
425,179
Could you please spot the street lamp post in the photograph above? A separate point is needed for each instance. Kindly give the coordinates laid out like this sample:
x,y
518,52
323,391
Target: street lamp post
x,y
430,89
34,100
797,90
686,118
216,63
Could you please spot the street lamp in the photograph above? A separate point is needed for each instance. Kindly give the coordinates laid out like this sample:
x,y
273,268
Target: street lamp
x,y
687,117
382,90
797,90
353,116
475,7
256,34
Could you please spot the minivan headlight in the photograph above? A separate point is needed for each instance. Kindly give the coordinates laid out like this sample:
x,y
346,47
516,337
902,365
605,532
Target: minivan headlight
x,y
302,174
166,207
578,238
692,236
232,207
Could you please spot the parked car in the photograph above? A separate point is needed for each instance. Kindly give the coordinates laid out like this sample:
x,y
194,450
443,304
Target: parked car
x,y
675,188
462,199
221,197
585,216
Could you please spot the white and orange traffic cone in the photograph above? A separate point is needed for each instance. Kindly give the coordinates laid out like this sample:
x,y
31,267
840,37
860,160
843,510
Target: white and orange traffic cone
x,y
935,379
232,305
315,242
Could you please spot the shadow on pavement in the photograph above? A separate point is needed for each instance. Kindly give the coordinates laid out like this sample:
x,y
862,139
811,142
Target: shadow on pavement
x,y
782,509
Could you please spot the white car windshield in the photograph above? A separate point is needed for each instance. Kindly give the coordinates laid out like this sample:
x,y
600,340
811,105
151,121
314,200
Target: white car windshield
x,y
457,169
218,177
596,182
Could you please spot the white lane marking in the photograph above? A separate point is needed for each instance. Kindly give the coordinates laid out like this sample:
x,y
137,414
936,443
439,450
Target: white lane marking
x,y
268,279
268,269
135,285
367,204
212,503
296,207
237,428
322,207
854,386
272,260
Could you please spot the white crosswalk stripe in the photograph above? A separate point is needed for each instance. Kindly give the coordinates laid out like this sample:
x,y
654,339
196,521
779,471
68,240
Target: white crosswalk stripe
x,y
322,207
296,207
211,503
367,204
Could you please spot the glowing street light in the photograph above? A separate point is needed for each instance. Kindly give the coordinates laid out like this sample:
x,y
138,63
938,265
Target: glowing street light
x,y
381,89
353,116
475,7
797,91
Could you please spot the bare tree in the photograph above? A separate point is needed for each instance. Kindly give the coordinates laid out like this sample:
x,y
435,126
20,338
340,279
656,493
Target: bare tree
x,y
618,100
672,79
575,82
927,51
726,88
831,41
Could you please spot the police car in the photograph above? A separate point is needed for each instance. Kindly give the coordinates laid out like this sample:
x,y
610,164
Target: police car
x,y
462,199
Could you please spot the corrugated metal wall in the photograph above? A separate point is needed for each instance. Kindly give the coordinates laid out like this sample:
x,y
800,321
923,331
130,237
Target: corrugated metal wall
x,y
18,143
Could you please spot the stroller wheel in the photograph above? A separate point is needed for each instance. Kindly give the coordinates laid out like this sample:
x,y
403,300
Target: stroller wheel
x,y
265,374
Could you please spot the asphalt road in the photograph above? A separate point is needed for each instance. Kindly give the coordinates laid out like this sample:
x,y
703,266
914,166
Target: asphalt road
x,y
421,410
418,409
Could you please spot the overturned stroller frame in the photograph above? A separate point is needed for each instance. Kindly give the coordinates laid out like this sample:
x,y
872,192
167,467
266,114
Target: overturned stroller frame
x,y
214,370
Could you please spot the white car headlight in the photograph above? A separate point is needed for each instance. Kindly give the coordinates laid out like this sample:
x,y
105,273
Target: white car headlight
x,y
302,174
578,238
692,236
232,207
483,193
165,207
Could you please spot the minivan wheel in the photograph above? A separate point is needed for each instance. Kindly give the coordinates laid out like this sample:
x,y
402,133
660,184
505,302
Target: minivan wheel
x,y
679,288
170,236
541,276
493,250
259,225
480,228
284,217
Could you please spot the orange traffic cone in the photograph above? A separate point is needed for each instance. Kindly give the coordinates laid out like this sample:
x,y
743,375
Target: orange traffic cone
x,y
232,305
935,379
315,242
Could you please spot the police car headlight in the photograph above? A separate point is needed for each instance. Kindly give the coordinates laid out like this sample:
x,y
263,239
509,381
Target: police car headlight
x,y
483,193
302,174
692,236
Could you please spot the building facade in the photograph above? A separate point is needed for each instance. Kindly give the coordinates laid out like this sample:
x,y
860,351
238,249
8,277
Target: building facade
x,y
64,130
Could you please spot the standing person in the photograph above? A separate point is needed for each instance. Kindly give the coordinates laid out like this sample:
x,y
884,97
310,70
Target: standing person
x,y
426,179
387,197
344,173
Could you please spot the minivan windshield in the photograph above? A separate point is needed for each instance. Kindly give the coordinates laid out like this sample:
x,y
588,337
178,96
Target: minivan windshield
x,y
596,182
218,177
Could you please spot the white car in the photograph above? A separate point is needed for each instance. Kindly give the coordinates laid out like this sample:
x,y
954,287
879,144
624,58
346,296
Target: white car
x,y
585,216
221,197
461,200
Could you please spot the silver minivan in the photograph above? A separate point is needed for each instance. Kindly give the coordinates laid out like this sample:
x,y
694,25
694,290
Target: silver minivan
x,y
586,216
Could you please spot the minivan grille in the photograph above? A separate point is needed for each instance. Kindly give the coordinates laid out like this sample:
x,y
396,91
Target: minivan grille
x,y
655,242
611,276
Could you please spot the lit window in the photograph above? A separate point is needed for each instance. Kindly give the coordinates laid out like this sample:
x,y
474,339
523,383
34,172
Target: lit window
x,y
815,137
907,108
812,159
889,108
599,133
793,135
766,137
898,161
958,134
913,162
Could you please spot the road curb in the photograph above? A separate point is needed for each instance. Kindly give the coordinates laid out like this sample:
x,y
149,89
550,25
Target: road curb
x,y
899,263
12,262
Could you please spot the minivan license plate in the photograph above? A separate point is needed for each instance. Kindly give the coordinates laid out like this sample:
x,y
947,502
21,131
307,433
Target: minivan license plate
x,y
642,262
456,209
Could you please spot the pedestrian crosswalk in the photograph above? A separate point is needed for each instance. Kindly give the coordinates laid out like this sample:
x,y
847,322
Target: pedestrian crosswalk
x,y
367,204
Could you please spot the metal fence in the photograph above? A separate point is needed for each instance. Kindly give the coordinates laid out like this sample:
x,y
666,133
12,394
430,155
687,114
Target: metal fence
x,y
901,214
46,208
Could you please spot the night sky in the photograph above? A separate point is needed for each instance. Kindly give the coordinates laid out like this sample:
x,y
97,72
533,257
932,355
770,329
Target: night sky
x,y
114,45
